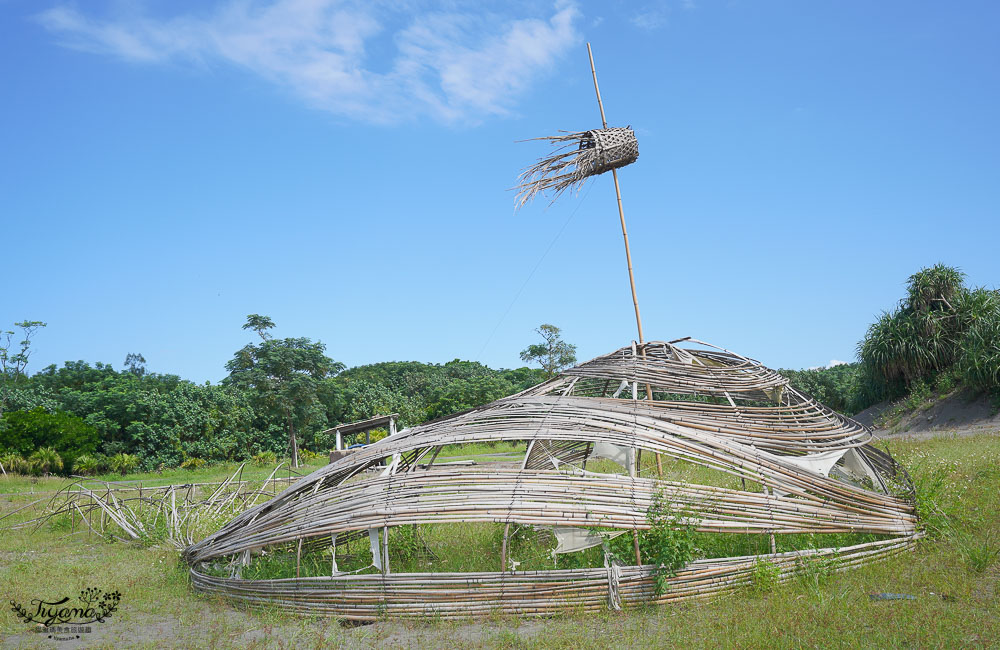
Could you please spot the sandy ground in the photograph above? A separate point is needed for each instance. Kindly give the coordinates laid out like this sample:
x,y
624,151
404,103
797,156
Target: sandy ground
x,y
960,414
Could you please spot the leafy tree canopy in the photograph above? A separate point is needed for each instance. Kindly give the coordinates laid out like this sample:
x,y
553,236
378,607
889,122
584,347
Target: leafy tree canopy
x,y
553,354
284,377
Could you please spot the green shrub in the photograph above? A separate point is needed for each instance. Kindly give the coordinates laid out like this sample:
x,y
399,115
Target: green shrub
x,y
123,463
193,463
68,435
669,544
45,461
941,330
979,358
86,465
946,382
765,578
265,458
14,463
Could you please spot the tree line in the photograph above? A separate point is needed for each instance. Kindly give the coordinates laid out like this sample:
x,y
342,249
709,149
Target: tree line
x,y
278,399
281,395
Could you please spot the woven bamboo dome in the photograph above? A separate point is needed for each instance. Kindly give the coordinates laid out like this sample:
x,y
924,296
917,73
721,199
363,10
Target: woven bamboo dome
x,y
801,468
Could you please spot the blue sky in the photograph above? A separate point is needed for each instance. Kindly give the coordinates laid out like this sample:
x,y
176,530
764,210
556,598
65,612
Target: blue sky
x,y
168,167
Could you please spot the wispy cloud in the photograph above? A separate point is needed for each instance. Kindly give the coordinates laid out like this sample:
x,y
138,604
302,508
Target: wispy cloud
x,y
651,16
833,363
368,61
656,14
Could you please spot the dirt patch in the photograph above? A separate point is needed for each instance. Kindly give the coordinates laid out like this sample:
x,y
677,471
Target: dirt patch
x,y
232,628
962,413
986,590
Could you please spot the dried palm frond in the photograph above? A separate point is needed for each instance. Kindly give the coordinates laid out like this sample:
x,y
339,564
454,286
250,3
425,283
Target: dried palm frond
x,y
577,157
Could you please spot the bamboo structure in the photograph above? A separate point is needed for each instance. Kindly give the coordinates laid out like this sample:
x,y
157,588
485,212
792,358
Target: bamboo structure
x,y
817,470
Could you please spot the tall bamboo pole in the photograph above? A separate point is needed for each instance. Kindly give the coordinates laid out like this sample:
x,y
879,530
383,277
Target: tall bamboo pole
x,y
628,258
618,193
628,251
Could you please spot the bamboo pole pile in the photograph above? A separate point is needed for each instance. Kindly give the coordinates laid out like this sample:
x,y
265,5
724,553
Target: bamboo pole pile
x,y
704,406
133,513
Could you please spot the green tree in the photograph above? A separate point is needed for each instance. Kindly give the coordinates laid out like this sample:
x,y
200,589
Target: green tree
x,y
834,386
14,358
284,375
463,394
553,354
135,364
13,361
259,324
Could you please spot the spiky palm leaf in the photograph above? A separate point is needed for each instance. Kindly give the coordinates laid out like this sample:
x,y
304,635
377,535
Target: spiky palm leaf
x,y
86,465
46,460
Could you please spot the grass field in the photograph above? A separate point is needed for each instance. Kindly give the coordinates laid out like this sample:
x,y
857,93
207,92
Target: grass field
x,y
954,576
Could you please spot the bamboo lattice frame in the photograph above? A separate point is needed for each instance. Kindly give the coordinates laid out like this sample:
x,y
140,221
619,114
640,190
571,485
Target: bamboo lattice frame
x,y
757,428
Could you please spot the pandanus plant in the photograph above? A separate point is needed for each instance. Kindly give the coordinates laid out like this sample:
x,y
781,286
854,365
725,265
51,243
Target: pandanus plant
x,y
46,460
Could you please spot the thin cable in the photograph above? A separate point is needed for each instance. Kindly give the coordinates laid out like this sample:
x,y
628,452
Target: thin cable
x,y
532,274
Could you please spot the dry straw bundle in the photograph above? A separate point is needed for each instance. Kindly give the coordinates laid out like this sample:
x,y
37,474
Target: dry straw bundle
x,y
577,157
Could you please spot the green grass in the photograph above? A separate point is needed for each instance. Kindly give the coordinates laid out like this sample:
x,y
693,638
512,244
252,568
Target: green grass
x,y
206,474
472,449
954,574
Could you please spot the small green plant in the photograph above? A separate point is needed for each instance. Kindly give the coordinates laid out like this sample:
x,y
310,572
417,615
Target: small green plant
x,y
978,554
765,577
193,463
264,458
930,485
405,542
815,569
920,395
123,463
946,382
307,455
45,461
669,543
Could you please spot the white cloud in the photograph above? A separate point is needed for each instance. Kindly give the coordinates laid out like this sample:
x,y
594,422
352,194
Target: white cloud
x,y
651,16
456,65
656,14
833,362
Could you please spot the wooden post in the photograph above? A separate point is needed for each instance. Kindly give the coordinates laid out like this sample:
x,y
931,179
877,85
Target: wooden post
x,y
631,460
503,549
385,550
